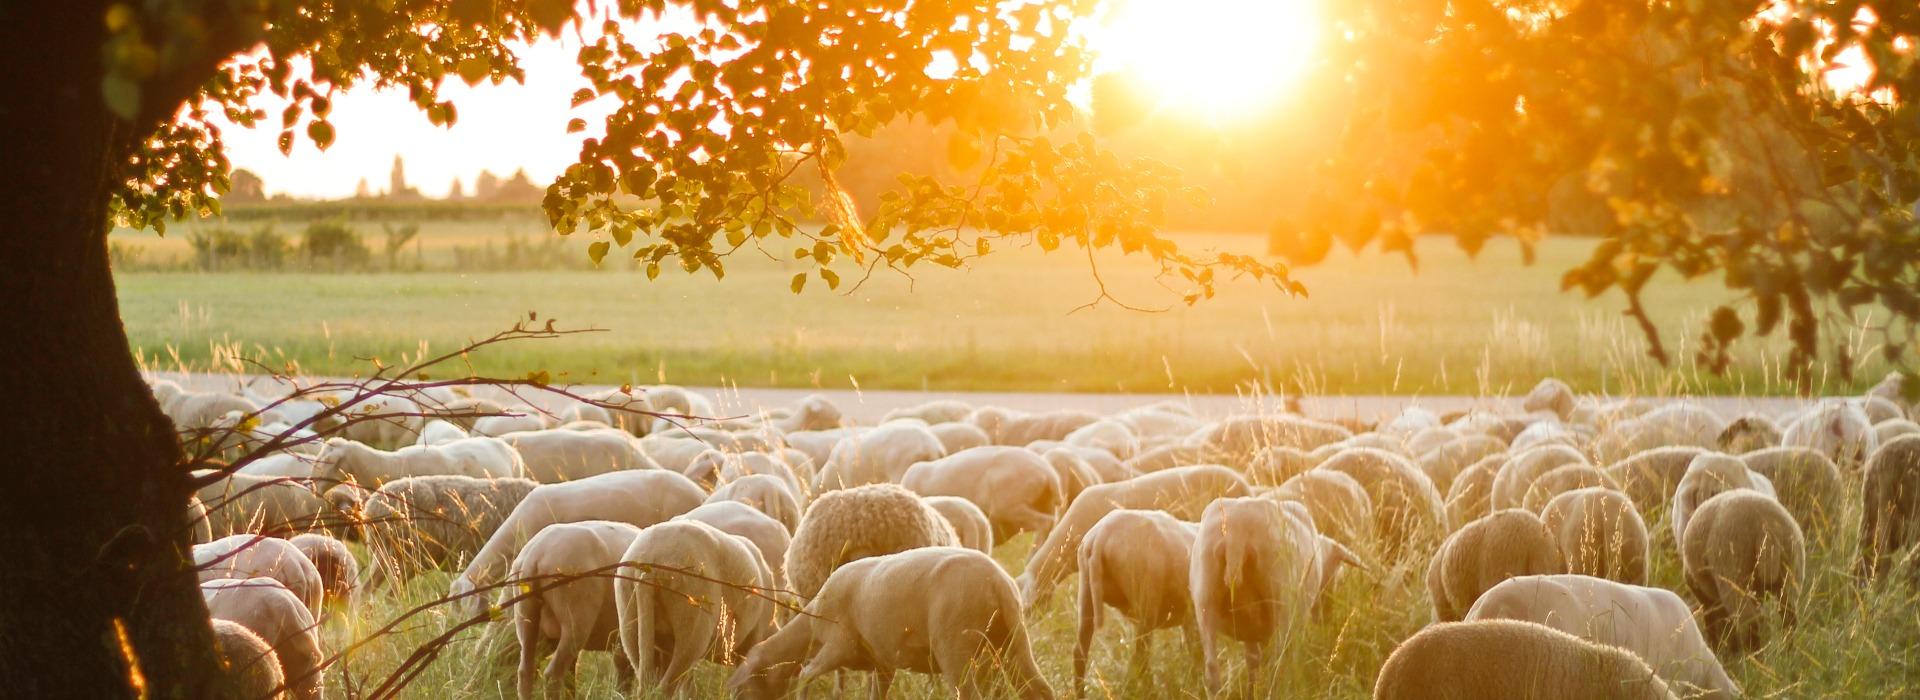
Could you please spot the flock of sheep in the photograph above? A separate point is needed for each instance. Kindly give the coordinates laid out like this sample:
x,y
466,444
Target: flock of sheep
x,y
791,545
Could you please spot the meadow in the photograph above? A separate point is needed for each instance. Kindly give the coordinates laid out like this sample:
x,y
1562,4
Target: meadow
x,y
1372,325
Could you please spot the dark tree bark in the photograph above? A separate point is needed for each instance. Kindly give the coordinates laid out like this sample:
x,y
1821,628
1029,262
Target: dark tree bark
x,y
97,594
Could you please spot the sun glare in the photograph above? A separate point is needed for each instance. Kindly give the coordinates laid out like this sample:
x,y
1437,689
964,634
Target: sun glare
x,y
1216,59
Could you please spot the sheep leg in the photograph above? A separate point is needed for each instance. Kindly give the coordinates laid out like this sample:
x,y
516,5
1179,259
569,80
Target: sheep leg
x,y
1142,643
1089,623
1211,653
1256,653
622,668
527,623
566,655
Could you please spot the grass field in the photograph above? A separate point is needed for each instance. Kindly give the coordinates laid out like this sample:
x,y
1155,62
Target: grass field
x,y
1372,325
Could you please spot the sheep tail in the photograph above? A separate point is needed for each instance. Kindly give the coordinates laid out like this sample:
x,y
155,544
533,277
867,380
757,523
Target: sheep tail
x,y
1237,550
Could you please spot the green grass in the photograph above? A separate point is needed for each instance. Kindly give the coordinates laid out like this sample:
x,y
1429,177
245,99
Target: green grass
x,y
1372,325
1851,641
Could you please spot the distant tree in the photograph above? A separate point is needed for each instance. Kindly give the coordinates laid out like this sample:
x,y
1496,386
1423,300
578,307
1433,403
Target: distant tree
x,y
397,187
455,191
518,188
362,190
485,185
247,187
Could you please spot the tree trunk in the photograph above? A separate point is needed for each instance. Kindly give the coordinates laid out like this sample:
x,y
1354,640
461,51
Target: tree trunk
x,y
97,594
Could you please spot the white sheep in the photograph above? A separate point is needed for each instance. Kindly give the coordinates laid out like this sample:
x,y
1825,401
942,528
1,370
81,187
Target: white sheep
x,y
1235,439
383,421
1181,491
424,522
244,503
1748,433
1653,623
1444,463
1890,507
944,610
1006,427
639,498
1710,475
1257,569
852,524
959,436
1136,561
1107,434
970,525
1017,489
1599,533
524,420
1105,467
553,456
1673,424
1513,659
441,432
1340,507
1505,544
1561,480
1885,431
1650,477
1522,468
737,466
881,455
1471,495
566,602
250,663
1741,549
1838,429
481,458
690,592
1807,483
768,536
767,493
267,608
1075,473
932,412
1407,510
250,556
339,572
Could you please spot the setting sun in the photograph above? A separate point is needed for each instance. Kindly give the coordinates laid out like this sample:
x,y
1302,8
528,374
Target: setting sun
x,y
1217,59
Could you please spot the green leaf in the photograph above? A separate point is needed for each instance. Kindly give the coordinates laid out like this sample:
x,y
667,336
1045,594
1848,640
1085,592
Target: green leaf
x,y
321,132
799,283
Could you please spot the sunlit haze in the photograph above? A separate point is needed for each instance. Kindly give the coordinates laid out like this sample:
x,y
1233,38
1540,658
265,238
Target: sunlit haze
x,y
1216,59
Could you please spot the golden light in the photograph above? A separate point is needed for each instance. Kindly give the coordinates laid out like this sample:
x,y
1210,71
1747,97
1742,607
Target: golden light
x,y
1214,59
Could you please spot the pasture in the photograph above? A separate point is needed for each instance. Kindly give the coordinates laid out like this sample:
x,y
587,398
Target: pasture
x,y
1488,326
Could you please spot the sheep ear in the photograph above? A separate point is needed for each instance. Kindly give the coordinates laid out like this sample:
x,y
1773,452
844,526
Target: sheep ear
x,y
1341,554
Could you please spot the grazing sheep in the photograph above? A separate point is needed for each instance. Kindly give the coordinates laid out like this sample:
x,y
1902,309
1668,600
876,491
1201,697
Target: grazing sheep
x,y
1890,507
1653,623
481,458
1160,421
959,436
1017,489
1105,467
881,455
1806,483
466,412
1599,533
440,432
1511,483
1075,473
1710,475
932,412
817,445
639,498
690,592
1407,511
626,410
1650,477
677,405
1006,427
250,663
1471,496
1508,543
746,464
383,421
338,570
1257,569
768,536
766,493
1748,433
1838,429
943,610
1444,463
1163,457
1885,431
192,410
1893,388
675,454
276,615
1138,562
575,615
1673,424
1742,548
1183,492
294,465
1340,507
244,503
1562,480
1549,432
1430,439
521,421
1235,439
852,524
1512,659
251,556
425,522
1273,466
199,528
1881,408
553,456
969,522
1105,434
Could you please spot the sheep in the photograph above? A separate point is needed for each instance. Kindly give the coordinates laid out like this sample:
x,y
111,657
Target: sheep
x,y
1006,428
1806,483
690,591
959,436
1163,457
1653,623
1510,484
199,528
1674,424
1513,659
969,523
1256,571
1236,438
1105,434
677,405
1599,533
1136,561
481,457
251,665
625,410
383,421
294,465
1650,477
1017,489
766,493
1105,467
1880,408
1838,429
440,432
1505,544
1340,507
423,522
944,610
1893,388
817,445
1075,473
566,602
1159,421
1885,431
276,615
249,556
815,412
1444,463
1407,511
1710,475
1471,495
334,562
1410,420
520,421
638,498
1741,549
1430,439
880,455
1562,480
852,524
1890,507
466,411
768,536
746,464
1272,466
1182,491
1378,441
932,412
192,410
267,505
1748,433
676,454
553,456
1548,432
